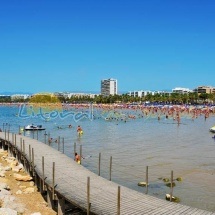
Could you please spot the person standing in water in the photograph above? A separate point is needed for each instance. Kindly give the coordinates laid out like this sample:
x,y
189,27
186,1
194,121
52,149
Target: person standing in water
x,y
79,130
77,158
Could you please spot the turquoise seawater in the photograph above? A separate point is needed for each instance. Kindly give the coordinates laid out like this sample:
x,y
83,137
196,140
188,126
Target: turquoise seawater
x,y
188,149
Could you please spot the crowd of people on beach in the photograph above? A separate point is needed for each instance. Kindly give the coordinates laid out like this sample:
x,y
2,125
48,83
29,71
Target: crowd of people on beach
x,y
126,112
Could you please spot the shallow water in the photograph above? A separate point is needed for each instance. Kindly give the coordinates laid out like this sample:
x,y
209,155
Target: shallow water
x,y
188,149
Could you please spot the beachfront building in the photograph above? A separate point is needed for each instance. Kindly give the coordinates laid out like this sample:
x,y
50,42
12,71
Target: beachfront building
x,y
5,98
143,93
80,95
15,97
108,87
68,95
140,93
162,92
205,89
181,90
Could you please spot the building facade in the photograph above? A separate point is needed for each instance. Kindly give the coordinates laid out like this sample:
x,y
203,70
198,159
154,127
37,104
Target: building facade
x,y
108,87
205,89
139,93
181,90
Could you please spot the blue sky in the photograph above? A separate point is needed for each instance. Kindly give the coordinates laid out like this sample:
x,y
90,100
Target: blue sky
x,y
70,45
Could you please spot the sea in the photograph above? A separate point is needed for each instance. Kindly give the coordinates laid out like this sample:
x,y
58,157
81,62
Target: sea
x,y
133,143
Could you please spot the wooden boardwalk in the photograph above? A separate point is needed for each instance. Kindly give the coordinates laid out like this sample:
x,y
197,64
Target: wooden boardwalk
x,y
70,180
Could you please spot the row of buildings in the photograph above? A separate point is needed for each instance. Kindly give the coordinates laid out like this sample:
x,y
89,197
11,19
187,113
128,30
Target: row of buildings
x,y
180,90
109,87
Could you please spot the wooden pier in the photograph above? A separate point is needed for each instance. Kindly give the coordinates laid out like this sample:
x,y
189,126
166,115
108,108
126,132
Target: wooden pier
x,y
64,180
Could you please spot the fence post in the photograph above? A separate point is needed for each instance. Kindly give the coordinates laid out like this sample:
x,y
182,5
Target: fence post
x,y
43,172
8,136
15,140
171,186
58,142
37,134
5,138
80,153
110,166
53,179
63,145
147,179
88,195
74,149
23,147
118,201
45,136
99,162
32,161
49,138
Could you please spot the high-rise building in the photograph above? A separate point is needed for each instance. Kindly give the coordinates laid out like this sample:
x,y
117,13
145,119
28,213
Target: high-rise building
x,y
108,87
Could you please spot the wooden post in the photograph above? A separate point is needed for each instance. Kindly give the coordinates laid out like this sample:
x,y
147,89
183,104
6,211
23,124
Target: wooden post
x,y
58,142
23,147
24,131
88,195
37,134
147,178
8,142
45,137
49,199
99,162
61,205
80,153
33,133
118,201
53,179
12,138
15,140
43,176
32,161
74,149
110,166
171,186
5,138
63,145
49,138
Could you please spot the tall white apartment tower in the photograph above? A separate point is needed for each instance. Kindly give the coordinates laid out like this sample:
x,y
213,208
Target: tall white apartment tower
x,y
108,87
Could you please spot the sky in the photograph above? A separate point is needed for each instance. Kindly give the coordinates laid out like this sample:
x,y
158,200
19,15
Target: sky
x,y
71,45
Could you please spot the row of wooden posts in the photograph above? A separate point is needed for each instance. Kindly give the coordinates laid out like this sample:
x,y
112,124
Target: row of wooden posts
x,y
43,178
